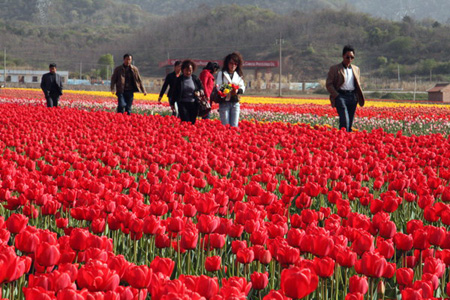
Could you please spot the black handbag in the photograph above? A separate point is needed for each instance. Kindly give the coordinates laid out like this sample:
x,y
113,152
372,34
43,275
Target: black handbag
x,y
215,97
204,107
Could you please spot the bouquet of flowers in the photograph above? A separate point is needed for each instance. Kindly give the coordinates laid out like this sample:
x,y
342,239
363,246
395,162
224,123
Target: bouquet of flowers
x,y
227,88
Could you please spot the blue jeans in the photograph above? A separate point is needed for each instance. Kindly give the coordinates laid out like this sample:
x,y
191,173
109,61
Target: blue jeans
x,y
229,113
125,100
346,107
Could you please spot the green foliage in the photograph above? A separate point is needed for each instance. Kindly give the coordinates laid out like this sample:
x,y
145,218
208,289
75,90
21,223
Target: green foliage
x,y
405,96
401,44
106,65
382,61
394,10
312,40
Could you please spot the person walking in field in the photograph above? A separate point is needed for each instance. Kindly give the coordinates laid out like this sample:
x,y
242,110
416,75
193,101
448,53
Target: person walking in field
x,y
126,80
186,91
169,81
207,78
52,86
344,85
231,74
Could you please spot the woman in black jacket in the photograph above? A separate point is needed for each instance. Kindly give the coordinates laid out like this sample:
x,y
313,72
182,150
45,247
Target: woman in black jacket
x,y
186,91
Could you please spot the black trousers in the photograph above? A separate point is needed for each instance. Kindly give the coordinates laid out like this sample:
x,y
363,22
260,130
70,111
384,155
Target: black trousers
x,y
188,111
346,106
52,100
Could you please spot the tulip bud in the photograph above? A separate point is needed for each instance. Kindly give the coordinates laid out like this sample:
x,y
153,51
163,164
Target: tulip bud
x,y
381,288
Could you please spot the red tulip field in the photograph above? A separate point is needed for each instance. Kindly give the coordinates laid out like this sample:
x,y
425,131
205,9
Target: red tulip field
x,y
99,205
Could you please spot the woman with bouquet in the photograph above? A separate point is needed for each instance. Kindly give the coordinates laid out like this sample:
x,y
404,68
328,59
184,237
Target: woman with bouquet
x,y
187,89
230,83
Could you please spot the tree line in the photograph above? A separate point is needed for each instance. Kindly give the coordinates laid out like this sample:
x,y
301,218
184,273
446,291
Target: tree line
x,y
311,41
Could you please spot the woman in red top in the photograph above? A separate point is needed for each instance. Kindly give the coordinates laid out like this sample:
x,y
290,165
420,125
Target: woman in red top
x,y
207,79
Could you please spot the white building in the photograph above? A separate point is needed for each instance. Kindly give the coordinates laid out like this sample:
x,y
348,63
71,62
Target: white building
x,y
28,76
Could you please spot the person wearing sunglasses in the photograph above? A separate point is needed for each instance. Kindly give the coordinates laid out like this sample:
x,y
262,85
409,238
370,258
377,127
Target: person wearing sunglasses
x,y
344,85
231,73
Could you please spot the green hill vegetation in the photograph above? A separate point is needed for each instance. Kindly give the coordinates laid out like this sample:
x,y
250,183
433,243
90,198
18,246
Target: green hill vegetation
x,y
77,33
387,9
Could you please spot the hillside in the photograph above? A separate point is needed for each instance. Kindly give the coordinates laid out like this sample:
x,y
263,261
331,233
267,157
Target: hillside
x,y
312,40
74,12
387,9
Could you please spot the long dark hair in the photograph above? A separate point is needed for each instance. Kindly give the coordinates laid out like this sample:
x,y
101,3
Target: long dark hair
x,y
234,57
212,66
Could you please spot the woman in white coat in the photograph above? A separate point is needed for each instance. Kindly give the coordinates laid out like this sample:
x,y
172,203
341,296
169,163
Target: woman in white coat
x,y
231,74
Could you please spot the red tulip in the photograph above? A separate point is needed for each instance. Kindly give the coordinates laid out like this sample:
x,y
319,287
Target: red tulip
x,y
385,248
162,241
72,294
298,283
275,295
434,266
27,241
47,255
436,235
97,276
405,276
371,265
16,223
118,264
358,284
420,239
425,286
345,257
189,239
78,239
162,265
236,245
213,263
324,267
139,277
411,294
403,242
217,241
354,296
245,255
38,293
259,280
207,286
322,245
207,223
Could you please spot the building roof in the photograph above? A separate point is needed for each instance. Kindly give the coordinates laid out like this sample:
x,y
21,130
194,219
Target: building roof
x,y
439,87
247,63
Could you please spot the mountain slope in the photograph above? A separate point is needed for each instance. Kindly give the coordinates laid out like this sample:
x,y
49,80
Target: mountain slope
x,y
388,9
74,12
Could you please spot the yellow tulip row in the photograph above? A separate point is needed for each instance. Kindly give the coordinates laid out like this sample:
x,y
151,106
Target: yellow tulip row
x,y
271,100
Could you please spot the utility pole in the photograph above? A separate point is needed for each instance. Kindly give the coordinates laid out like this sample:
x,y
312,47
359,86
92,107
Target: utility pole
x,y
4,67
81,69
280,41
415,86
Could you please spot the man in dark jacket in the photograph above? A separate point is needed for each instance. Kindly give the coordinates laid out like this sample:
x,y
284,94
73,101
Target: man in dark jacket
x,y
126,80
51,85
170,82
344,85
